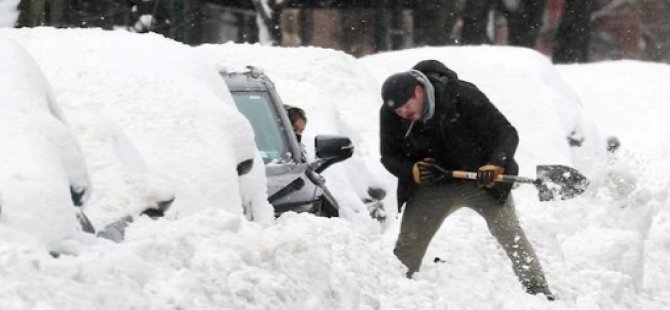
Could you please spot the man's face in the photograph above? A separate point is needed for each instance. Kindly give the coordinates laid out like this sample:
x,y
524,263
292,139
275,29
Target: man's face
x,y
413,108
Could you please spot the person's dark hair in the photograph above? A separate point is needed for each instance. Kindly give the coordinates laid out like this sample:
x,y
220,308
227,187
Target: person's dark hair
x,y
295,113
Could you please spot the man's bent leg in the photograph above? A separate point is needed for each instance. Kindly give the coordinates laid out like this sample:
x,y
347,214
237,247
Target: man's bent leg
x,y
422,218
504,226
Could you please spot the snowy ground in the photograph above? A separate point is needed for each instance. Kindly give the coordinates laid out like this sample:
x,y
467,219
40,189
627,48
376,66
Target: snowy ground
x,y
608,249
8,13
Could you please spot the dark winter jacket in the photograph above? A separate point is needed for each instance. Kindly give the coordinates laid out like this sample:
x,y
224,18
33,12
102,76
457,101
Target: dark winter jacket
x,y
465,133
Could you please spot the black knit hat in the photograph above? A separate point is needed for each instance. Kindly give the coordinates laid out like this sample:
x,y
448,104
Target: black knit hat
x,y
397,89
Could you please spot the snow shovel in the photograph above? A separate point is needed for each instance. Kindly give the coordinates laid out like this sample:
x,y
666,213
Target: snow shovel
x,y
554,182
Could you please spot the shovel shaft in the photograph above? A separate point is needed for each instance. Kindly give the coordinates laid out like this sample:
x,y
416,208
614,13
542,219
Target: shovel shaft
x,y
504,178
460,174
516,179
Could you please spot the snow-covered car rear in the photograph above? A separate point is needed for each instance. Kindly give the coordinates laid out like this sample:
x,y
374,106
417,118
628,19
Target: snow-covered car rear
x,y
43,176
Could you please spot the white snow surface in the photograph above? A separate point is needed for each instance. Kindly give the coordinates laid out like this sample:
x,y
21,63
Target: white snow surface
x,y
608,249
8,12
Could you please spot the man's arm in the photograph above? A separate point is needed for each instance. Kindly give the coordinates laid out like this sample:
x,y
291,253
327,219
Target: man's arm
x,y
499,136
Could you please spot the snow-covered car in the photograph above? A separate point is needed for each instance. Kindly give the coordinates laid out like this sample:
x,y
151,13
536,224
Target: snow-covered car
x,y
334,90
43,177
39,142
148,114
293,183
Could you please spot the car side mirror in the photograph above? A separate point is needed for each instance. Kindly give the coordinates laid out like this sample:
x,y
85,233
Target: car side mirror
x,y
331,150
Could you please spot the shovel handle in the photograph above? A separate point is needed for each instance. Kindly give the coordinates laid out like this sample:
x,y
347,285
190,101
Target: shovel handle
x,y
469,175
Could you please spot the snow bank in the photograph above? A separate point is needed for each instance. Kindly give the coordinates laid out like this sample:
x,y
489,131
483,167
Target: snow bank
x,y
210,260
627,100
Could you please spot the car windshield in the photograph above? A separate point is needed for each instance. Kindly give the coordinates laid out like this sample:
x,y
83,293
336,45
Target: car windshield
x,y
258,109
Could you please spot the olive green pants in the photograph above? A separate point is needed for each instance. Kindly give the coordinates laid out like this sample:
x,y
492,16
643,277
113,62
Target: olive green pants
x,y
430,205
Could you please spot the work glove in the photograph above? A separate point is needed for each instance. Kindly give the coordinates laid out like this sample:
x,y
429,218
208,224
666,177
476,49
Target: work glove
x,y
487,175
423,172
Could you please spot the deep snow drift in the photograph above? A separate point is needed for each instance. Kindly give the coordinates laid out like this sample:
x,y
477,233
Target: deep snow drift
x,y
608,249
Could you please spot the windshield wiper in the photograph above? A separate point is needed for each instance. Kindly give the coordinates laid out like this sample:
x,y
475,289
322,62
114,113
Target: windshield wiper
x,y
295,185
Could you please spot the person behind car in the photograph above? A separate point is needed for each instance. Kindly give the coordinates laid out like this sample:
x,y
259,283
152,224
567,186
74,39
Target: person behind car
x,y
431,117
298,120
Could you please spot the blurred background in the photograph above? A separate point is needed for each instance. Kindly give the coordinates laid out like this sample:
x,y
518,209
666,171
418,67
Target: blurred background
x,y
567,31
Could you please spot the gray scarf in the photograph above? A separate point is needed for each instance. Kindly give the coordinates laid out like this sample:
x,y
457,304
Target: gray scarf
x,y
428,99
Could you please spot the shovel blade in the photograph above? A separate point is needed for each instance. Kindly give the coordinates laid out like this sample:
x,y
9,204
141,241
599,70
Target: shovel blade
x,y
557,182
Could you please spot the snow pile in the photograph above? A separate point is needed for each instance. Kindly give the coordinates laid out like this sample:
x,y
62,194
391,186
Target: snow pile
x,y
627,99
210,260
